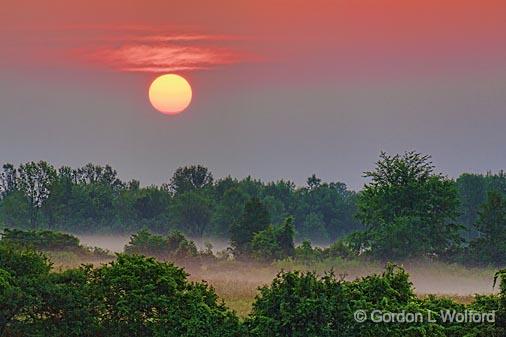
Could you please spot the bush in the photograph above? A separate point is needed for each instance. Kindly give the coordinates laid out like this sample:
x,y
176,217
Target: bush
x,y
23,275
298,305
306,254
305,305
174,246
52,243
41,240
143,297
275,242
179,246
340,248
132,296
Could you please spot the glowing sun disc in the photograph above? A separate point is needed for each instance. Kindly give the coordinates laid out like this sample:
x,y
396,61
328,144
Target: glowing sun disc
x,y
170,94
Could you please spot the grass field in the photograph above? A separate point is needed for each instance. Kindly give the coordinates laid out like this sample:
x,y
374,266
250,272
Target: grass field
x,y
237,282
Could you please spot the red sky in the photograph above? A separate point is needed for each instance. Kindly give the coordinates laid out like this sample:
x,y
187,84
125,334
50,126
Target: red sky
x,y
371,36
283,88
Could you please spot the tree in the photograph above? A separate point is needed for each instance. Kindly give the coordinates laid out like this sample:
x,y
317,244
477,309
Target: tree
x,y
151,202
313,228
490,246
472,191
325,211
192,212
95,174
405,192
492,218
15,210
35,180
255,218
274,242
190,178
228,210
8,180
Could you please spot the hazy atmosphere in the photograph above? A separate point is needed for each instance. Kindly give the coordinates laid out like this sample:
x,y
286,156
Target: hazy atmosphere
x,y
282,89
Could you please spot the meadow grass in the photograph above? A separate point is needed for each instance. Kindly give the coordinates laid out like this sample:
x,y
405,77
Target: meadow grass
x,y
237,282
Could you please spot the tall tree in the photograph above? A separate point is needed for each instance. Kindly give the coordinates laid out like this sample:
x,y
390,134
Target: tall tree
x,y
35,180
472,192
490,245
255,218
405,190
228,210
8,180
491,222
192,212
190,178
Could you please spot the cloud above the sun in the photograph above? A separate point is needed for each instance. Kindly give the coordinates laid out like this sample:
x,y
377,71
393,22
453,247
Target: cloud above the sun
x,y
157,52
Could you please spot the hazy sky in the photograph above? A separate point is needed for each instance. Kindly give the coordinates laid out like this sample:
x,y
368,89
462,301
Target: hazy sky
x,y
282,89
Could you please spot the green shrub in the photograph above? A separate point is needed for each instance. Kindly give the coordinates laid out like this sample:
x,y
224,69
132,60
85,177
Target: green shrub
x,y
23,275
53,244
308,254
179,246
305,305
175,245
145,243
41,240
340,248
143,297
298,304
132,296
275,242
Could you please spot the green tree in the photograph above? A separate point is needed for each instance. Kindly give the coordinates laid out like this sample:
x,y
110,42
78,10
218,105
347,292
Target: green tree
x,y
255,218
274,242
8,180
325,211
192,212
35,180
406,196
228,210
190,178
472,191
491,222
15,210
490,245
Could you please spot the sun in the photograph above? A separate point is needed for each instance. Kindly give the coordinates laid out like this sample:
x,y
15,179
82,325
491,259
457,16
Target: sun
x,y
170,94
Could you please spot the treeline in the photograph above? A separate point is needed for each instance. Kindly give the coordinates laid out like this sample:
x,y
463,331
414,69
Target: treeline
x,y
406,209
141,297
93,199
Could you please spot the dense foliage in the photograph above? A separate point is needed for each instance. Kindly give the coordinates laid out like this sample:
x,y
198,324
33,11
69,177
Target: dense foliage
x,y
274,242
489,247
408,209
37,195
173,246
138,296
132,296
49,241
41,240
305,305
